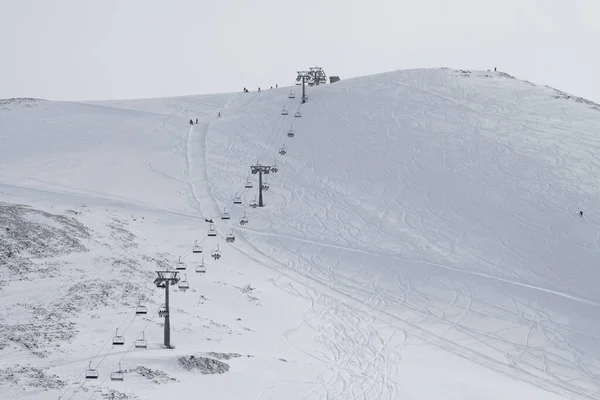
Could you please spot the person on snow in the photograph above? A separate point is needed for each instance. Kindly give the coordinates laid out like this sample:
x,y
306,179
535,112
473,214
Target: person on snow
x,y
191,122
196,121
219,114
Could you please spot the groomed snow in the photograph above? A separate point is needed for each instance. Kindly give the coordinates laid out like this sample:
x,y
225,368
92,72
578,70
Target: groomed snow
x,y
421,240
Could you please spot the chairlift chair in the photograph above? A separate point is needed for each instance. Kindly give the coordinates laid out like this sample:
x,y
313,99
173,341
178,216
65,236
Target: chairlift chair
x,y
298,114
140,309
201,268
91,373
265,185
183,285
197,248
225,214
248,184
282,151
118,340
244,219
237,199
253,203
284,111
162,312
180,265
117,375
212,231
292,95
216,253
274,168
141,343
230,237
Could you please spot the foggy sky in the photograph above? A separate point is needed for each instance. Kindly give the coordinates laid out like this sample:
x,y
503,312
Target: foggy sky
x,y
107,49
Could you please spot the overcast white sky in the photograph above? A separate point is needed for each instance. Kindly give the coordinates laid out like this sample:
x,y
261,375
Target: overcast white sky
x,y
106,49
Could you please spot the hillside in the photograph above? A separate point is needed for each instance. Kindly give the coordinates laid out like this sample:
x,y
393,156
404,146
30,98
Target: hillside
x,y
421,239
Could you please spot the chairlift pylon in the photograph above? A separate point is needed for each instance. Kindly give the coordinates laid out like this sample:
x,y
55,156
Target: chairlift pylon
x,y
201,268
212,231
197,248
118,340
91,373
141,343
117,375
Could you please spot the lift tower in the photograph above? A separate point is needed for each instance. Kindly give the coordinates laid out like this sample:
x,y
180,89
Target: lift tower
x,y
164,279
260,170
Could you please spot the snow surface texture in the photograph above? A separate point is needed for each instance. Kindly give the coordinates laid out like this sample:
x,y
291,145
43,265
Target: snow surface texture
x,y
421,240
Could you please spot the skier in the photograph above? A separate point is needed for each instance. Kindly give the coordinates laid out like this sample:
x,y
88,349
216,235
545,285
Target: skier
x,y
191,122
219,114
196,121
581,213
259,89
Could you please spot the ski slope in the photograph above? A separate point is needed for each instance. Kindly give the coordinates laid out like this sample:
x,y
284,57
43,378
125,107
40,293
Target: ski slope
x,y
421,239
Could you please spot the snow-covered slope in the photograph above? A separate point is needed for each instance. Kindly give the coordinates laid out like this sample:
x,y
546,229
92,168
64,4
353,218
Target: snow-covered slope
x,y
421,239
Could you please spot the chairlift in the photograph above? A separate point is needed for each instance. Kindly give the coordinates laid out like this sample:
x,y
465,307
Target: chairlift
x,y
274,168
298,114
284,111
183,285
180,265
91,373
212,231
265,185
244,219
216,253
197,248
162,312
292,95
201,268
118,340
253,203
230,237
225,214
248,184
140,309
117,375
237,199
282,150
141,343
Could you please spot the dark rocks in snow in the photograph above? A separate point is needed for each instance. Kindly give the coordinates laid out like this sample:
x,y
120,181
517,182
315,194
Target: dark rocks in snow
x,y
29,377
152,374
203,364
